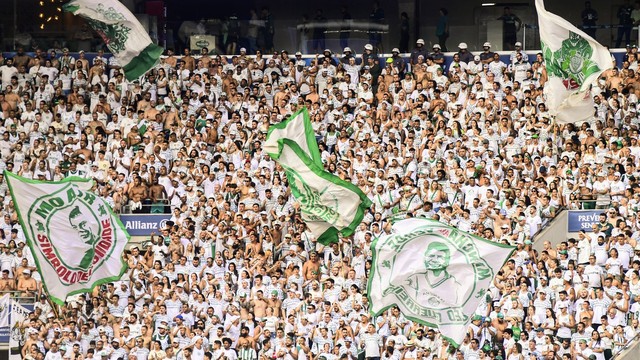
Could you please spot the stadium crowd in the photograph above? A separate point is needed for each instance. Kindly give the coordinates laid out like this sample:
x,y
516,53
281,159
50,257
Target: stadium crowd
x,y
236,274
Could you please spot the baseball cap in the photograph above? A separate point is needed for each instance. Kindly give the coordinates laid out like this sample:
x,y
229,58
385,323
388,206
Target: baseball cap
x,y
518,43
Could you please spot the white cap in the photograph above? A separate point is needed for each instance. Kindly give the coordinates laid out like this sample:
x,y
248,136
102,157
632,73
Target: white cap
x,y
298,53
518,43
436,46
395,50
462,45
243,50
347,49
368,47
420,41
487,44
476,58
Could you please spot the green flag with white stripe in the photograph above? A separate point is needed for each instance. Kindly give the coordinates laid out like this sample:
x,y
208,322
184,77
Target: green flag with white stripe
x,y
122,33
328,204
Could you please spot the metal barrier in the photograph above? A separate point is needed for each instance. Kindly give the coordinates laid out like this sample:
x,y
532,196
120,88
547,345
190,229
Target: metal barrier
x,y
630,350
159,207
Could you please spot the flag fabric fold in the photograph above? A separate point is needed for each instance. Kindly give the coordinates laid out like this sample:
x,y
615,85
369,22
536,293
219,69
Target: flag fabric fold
x,y
5,308
436,274
121,31
573,60
328,204
76,240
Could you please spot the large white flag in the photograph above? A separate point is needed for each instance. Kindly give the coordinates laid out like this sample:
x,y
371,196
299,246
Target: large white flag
x,y
297,128
76,240
436,274
328,204
5,308
122,33
574,60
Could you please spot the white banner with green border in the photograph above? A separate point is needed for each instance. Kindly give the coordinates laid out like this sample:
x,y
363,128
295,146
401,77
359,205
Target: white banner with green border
x,y
121,32
437,275
328,204
76,240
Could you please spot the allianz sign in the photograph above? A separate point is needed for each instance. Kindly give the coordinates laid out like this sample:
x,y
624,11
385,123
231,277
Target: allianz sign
x,y
143,225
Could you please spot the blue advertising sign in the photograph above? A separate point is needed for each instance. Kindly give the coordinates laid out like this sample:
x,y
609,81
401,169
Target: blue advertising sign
x,y
144,224
582,219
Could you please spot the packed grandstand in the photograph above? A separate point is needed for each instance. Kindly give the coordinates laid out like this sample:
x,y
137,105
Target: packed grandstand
x,y
236,274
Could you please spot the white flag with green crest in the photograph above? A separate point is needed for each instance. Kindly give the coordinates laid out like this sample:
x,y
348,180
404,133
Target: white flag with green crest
x,y
76,240
435,274
121,31
574,60
328,204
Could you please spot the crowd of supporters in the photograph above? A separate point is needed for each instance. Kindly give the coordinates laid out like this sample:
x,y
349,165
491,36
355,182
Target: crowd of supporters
x,y
236,274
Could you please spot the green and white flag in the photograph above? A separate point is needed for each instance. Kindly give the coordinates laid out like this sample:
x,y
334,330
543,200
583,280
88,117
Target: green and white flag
x,y
328,204
122,33
436,274
574,61
76,240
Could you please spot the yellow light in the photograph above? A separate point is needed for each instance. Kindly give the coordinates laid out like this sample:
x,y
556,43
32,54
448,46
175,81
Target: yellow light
x,y
59,9
41,3
41,26
41,15
49,19
56,17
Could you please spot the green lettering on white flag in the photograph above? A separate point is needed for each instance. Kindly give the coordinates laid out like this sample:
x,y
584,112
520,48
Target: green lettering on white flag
x,y
436,274
573,61
121,32
328,204
75,238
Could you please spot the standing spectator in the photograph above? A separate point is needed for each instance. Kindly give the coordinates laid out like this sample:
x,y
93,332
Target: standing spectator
x,y
625,23
376,18
233,34
465,55
267,31
442,28
419,50
486,56
635,15
345,27
404,33
252,30
589,18
319,31
511,24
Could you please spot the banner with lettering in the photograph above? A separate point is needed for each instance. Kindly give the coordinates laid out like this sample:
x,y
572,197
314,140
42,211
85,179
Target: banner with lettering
x,y
582,219
76,239
436,274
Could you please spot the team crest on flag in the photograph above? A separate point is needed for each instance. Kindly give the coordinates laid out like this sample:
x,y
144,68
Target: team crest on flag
x,y
574,61
76,240
328,204
436,274
121,31
114,34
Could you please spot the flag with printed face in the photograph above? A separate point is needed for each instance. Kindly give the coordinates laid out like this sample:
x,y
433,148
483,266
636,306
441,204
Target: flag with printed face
x,y
437,275
574,60
122,33
328,204
75,238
